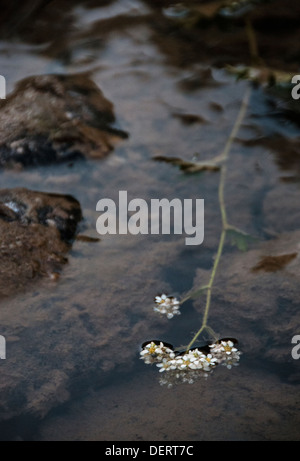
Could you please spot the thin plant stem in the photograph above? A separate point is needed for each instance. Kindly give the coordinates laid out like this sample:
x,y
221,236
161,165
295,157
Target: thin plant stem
x,y
253,47
224,156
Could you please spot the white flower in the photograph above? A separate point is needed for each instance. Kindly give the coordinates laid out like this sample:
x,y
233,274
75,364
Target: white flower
x,y
152,352
226,353
161,299
187,366
167,305
164,365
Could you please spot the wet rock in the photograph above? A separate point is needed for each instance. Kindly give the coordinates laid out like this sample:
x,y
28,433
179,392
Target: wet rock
x,y
263,408
55,118
81,334
36,233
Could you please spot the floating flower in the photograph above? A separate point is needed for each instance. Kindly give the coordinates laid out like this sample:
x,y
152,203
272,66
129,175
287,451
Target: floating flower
x,y
188,366
152,352
190,360
164,365
167,305
208,362
226,353
223,348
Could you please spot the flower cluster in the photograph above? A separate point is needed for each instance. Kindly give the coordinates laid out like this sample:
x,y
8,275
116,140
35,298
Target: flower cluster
x,y
167,305
225,353
186,366
193,360
154,353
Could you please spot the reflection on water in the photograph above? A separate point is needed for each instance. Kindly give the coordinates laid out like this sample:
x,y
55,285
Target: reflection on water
x,y
72,370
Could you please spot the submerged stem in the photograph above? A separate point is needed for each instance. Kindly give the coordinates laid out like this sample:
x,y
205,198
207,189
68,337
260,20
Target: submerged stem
x,y
224,156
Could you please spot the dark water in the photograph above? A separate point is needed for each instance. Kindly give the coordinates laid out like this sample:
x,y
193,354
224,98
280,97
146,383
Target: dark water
x,y
72,370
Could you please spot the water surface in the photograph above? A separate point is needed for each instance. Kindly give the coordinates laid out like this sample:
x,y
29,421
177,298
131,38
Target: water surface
x,y
72,370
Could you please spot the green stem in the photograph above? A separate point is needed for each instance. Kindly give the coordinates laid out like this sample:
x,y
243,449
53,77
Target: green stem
x,y
253,48
209,289
224,156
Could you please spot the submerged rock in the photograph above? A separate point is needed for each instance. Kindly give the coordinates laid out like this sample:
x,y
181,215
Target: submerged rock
x,y
87,331
55,118
36,233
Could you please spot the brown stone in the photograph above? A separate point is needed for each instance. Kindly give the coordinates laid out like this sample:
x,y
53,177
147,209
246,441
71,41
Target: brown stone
x,y
36,232
55,118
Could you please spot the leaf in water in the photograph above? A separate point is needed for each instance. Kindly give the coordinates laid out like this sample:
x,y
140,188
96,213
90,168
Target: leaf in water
x,y
199,79
189,119
262,75
240,238
274,263
188,166
86,238
209,10
236,9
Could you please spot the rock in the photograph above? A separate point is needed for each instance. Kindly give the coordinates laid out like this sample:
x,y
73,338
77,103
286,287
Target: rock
x,y
62,342
263,408
55,118
36,233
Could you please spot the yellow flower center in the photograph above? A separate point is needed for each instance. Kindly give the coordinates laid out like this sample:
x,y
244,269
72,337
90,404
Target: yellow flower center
x,y
152,349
